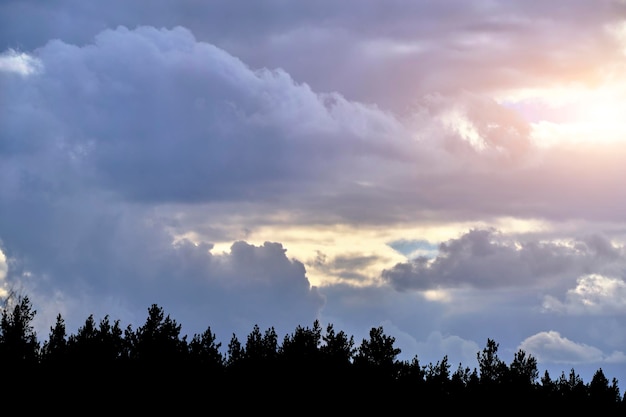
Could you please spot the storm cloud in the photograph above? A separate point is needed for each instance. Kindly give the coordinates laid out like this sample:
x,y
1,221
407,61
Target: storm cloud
x,y
487,259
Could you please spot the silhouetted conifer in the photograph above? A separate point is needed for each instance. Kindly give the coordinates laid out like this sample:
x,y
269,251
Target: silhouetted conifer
x,y
155,368
54,351
205,352
18,340
235,353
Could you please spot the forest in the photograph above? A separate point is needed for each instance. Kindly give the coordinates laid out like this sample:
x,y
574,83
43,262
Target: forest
x,y
314,370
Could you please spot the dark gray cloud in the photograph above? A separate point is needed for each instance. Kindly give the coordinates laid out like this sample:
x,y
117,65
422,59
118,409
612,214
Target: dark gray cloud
x,y
84,253
157,116
485,259
230,291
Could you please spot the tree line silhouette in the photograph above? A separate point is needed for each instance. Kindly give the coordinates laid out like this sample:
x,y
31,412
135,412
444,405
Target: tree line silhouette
x,y
154,367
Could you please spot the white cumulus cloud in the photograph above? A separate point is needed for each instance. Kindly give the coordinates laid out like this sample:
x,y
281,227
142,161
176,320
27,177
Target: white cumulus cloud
x,y
551,347
20,63
593,294
3,274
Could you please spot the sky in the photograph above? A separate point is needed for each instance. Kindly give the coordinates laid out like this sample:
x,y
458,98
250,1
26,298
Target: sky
x,y
449,170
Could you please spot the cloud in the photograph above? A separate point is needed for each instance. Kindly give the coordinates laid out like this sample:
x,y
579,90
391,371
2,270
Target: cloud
x,y
3,266
458,350
551,347
81,259
157,116
593,294
481,123
483,258
399,54
389,54
3,274
228,291
20,63
351,268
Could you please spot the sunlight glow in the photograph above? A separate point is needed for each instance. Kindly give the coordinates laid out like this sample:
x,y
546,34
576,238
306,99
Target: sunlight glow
x,y
437,295
319,247
576,113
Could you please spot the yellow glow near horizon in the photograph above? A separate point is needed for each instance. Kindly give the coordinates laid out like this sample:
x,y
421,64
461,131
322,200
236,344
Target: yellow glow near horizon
x,y
305,243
